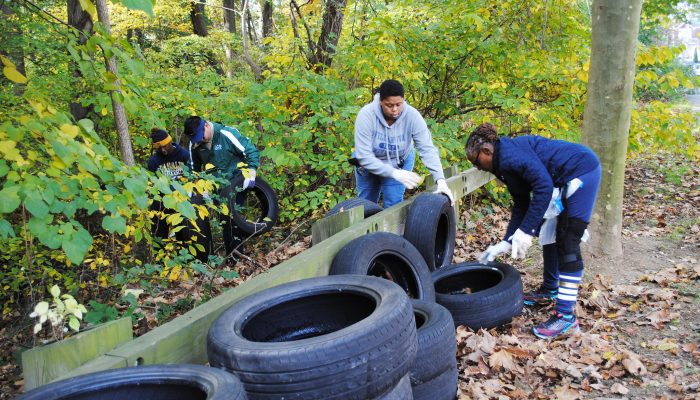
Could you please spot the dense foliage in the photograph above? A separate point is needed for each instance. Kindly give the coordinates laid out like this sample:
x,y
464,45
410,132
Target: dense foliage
x,y
72,213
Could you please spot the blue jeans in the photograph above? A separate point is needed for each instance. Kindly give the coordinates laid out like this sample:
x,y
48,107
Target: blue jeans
x,y
370,186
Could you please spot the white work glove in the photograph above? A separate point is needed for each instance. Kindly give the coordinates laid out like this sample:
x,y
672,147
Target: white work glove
x,y
494,251
521,242
442,188
407,178
249,180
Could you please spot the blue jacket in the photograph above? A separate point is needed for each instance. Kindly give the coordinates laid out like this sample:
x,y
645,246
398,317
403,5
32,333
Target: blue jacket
x,y
531,167
173,160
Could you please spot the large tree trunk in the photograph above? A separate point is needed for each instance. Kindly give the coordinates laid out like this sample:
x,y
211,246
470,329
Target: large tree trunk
x,y
119,112
199,19
82,22
606,121
267,19
330,33
230,15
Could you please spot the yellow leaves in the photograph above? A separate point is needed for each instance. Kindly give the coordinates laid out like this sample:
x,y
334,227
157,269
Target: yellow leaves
x,y
71,130
174,219
89,8
10,151
10,71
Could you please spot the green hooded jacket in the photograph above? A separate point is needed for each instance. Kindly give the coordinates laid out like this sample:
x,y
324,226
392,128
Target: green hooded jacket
x,y
228,148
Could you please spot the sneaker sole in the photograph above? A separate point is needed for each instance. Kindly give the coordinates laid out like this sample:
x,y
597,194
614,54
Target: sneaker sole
x,y
566,333
542,302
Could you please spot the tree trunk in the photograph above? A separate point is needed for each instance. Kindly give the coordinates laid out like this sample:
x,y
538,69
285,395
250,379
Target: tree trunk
x,y
267,19
199,19
119,112
330,33
254,67
230,15
606,120
82,22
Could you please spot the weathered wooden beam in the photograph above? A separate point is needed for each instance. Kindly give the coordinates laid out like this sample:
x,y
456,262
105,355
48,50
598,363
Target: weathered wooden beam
x,y
329,226
183,340
44,364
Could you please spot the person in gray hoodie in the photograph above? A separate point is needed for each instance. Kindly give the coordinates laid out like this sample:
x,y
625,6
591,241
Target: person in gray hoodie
x,y
385,133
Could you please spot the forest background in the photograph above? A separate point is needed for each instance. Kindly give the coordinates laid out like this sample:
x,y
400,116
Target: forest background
x,y
292,76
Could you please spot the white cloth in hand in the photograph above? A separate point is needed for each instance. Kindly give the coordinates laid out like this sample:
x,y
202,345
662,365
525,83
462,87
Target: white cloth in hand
x,y
494,251
444,189
407,178
521,242
249,181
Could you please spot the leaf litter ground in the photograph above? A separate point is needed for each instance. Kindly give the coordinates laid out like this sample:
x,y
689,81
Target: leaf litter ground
x,y
639,312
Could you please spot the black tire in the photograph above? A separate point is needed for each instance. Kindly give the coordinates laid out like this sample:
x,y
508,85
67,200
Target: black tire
x,y
203,236
402,391
494,293
388,256
253,211
371,207
442,387
437,345
431,227
152,382
331,337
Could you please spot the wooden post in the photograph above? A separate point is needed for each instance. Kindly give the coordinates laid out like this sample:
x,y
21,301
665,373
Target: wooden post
x,y
329,226
43,364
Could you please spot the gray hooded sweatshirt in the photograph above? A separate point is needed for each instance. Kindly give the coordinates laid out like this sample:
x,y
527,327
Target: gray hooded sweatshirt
x,y
379,147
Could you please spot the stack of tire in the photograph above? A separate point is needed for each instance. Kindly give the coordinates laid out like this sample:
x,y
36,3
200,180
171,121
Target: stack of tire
x,y
470,294
426,245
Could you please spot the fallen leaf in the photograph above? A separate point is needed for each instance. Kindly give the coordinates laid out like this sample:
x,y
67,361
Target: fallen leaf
x,y
619,389
502,359
633,365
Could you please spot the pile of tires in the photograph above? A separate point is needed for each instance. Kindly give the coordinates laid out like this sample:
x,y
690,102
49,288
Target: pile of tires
x,y
153,382
331,337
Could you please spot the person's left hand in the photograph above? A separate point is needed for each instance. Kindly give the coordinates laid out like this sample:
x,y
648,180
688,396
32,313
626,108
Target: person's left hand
x,y
444,189
521,242
249,181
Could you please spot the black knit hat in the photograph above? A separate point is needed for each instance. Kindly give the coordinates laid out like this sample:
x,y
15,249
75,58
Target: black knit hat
x,y
158,134
159,137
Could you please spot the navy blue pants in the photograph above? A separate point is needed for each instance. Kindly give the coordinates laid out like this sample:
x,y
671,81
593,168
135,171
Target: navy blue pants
x,y
580,206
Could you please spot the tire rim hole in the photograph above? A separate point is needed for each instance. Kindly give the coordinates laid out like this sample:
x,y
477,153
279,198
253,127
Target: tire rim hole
x,y
393,268
308,316
469,282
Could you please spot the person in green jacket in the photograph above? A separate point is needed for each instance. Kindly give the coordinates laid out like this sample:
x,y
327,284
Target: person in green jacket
x,y
230,153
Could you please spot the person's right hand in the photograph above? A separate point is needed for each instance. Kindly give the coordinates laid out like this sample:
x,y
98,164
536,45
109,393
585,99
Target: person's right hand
x,y
494,251
407,178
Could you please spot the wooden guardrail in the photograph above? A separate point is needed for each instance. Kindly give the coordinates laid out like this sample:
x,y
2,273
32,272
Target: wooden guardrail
x,y
183,340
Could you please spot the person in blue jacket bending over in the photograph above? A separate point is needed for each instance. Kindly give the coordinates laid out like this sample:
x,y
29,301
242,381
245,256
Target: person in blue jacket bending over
x,y
543,175
385,132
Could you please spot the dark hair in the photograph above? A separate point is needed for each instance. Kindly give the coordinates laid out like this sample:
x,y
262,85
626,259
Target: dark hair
x,y
390,87
484,133
191,125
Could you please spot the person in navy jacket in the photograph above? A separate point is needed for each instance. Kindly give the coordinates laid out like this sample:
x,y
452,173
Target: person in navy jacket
x,y
543,175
